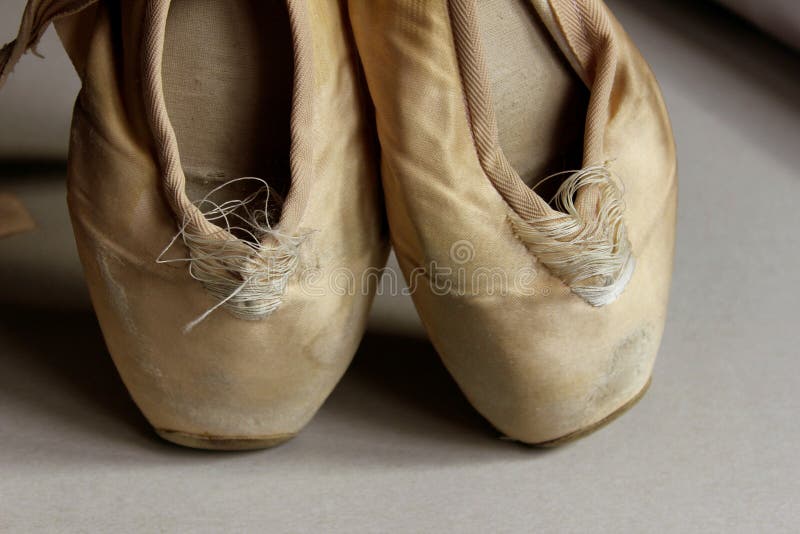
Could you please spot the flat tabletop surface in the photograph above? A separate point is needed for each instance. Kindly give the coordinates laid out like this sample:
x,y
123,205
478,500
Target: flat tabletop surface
x,y
713,447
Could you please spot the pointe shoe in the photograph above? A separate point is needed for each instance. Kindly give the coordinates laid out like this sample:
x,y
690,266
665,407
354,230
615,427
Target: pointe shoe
x,y
195,269
544,289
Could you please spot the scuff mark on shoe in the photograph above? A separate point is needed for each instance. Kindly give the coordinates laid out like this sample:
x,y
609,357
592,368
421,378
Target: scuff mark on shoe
x,y
116,291
624,369
118,299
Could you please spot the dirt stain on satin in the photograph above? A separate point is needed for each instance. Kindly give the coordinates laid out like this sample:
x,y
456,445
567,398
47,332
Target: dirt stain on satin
x,y
118,299
624,369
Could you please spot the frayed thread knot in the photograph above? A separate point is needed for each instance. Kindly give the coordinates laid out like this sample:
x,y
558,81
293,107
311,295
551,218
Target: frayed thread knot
x,y
247,264
584,244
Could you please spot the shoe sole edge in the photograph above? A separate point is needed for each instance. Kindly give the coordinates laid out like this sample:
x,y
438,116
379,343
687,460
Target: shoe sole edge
x,y
223,443
585,431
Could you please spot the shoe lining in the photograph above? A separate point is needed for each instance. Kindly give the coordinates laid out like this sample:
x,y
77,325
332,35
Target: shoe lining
x,y
539,101
228,71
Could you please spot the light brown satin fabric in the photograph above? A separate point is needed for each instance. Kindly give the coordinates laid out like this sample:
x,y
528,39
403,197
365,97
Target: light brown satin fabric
x,y
538,366
228,378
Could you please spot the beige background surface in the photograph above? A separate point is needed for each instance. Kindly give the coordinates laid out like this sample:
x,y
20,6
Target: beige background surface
x,y
713,447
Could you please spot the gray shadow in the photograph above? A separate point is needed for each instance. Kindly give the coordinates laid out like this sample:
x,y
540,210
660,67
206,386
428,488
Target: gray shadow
x,y
400,381
58,364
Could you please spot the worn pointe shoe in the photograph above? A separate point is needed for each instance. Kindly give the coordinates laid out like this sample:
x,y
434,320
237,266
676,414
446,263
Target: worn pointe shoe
x,y
545,298
195,269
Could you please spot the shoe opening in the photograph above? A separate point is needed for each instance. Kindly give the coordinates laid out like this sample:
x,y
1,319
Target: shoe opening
x,y
540,102
228,71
